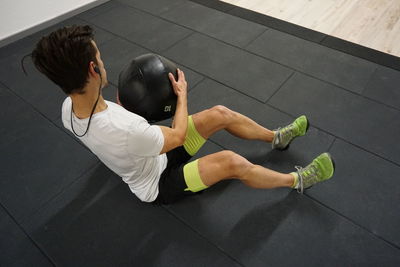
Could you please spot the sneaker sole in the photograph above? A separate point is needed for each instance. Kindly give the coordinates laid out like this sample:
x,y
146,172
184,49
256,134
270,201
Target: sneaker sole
x,y
333,163
287,147
308,125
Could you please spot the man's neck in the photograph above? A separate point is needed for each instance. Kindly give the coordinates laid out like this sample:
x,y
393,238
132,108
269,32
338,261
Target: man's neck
x,y
83,104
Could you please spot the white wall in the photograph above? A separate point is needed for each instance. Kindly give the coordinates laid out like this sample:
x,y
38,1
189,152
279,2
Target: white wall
x,y
19,18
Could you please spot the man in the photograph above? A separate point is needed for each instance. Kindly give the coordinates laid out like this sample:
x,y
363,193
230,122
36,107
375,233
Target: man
x,y
154,160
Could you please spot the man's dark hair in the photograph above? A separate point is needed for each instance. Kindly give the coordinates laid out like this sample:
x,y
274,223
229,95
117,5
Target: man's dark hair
x,y
64,56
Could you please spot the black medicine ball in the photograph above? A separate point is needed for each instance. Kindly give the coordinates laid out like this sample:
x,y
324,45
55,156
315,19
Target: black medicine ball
x,y
145,89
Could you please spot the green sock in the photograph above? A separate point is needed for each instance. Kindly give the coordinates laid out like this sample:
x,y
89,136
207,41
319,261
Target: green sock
x,y
296,180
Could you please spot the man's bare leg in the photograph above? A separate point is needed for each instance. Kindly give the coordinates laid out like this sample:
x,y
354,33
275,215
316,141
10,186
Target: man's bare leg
x,y
229,165
209,121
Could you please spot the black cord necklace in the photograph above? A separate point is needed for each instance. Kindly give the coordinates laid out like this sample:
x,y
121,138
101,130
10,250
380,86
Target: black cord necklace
x,y
91,114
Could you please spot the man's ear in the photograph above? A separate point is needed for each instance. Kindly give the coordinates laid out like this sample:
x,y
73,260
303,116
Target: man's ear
x,y
93,68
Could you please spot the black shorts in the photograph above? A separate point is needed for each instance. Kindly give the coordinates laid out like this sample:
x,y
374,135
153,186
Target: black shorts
x,y
172,185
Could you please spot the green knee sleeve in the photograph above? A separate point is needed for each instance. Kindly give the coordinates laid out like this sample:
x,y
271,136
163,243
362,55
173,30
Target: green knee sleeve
x,y
193,141
192,177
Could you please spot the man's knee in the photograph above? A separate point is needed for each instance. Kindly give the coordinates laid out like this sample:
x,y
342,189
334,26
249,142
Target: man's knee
x,y
223,113
236,163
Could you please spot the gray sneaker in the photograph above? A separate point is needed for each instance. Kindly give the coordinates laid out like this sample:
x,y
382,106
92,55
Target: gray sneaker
x,y
283,136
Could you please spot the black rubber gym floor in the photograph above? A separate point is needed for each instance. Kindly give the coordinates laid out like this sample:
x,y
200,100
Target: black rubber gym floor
x,y
61,206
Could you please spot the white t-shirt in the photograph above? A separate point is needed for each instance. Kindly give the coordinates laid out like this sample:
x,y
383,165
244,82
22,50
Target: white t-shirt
x,y
126,143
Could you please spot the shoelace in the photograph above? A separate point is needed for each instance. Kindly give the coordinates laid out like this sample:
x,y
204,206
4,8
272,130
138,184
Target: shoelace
x,y
300,186
286,132
310,170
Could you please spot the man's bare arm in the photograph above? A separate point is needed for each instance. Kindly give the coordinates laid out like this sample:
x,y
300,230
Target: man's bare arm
x,y
175,136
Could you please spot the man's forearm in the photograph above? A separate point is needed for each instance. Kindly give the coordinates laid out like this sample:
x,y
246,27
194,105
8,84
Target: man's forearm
x,y
181,117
